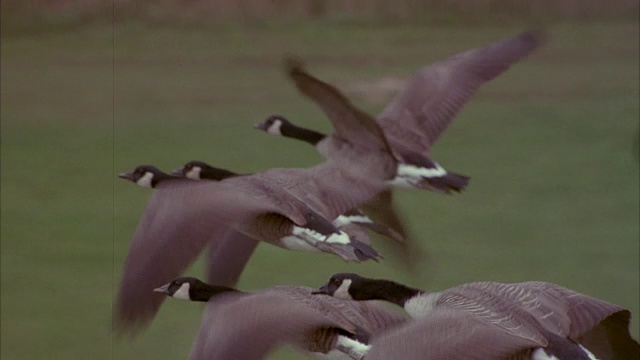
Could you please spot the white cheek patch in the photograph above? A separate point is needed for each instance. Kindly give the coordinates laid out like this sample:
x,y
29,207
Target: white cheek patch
x,y
345,220
145,180
194,173
342,292
274,129
183,292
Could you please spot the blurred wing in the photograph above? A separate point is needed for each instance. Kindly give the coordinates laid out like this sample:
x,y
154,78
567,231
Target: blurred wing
x,y
227,257
417,116
601,326
330,188
179,221
450,334
380,318
350,123
250,327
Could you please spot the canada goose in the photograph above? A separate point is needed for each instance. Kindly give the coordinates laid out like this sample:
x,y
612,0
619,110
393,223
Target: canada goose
x,y
150,176
414,120
199,170
290,208
322,326
560,320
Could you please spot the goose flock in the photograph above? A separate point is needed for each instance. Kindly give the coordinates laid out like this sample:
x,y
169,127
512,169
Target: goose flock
x,y
333,208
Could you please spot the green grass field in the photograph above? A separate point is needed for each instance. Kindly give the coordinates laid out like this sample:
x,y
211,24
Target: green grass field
x,y
551,147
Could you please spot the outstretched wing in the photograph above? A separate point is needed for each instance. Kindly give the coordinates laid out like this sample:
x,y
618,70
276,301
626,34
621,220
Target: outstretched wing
x,y
417,116
350,123
181,218
447,333
250,326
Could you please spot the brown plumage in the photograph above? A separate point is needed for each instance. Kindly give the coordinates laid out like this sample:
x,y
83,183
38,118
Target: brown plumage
x,y
183,216
530,317
239,325
412,122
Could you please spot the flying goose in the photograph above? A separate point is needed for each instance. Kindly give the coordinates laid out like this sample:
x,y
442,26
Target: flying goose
x,y
239,325
414,120
150,176
290,208
199,170
553,320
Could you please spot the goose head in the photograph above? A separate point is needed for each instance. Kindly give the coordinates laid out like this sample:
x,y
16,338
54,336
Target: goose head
x,y
188,288
348,286
191,170
274,125
144,175
345,286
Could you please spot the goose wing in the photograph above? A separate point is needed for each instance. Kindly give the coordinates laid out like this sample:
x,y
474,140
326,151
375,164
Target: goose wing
x,y
350,123
332,188
601,326
250,326
227,257
379,318
447,333
179,220
417,116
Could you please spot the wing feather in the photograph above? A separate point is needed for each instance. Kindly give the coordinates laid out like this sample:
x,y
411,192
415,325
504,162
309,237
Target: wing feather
x,y
417,116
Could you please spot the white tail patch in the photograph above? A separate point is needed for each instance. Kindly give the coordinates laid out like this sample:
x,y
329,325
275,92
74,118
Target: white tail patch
x,y
540,354
145,180
406,170
194,173
183,292
409,176
355,349
349,219
314,236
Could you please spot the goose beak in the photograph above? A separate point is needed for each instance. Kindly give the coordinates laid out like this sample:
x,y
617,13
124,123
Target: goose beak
x,y
126,176
260,126
178,172
164,289
322,291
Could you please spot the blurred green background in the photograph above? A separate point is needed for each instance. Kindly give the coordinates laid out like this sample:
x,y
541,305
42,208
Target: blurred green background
x,y
87,92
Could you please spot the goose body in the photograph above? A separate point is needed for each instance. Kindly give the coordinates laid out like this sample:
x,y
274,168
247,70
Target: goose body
x,y
415,119
289,208
353,221
232,216
324,328
542,320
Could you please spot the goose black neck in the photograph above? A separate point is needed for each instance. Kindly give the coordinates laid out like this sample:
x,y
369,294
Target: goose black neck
x,y
205,293
388,291
162,177
216,174
307,135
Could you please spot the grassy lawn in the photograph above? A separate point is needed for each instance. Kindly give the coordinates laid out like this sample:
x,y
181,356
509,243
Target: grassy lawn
x,y
551,147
